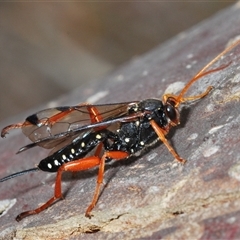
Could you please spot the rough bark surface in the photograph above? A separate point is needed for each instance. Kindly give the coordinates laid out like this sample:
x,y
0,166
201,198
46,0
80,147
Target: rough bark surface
x,y
150,196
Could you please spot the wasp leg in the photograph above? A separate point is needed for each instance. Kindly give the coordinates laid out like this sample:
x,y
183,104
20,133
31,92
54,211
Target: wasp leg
x,y
115,155
52,120
65,111
94,114
98,149
9,127
161,134
74,166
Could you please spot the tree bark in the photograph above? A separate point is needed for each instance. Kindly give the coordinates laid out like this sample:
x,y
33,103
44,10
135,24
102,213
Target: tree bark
x,y
150,196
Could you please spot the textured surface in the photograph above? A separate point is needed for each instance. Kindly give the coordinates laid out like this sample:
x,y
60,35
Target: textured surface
x,y
50,49
150,196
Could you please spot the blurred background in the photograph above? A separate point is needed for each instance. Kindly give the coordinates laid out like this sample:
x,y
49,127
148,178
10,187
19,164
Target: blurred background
x,y
48,49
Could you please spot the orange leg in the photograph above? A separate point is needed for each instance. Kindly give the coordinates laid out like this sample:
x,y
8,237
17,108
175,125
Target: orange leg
x,y
76,166
94,115
52,120
161,134
9,127
98,149
115,155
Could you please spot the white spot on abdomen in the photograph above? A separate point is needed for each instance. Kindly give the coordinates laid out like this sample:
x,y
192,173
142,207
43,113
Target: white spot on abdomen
x,y
56,162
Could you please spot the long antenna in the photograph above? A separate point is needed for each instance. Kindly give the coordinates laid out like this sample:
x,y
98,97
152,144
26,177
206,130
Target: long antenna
x,y
19,174
201,72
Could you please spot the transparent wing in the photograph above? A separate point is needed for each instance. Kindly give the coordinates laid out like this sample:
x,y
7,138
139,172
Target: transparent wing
x,y
54,126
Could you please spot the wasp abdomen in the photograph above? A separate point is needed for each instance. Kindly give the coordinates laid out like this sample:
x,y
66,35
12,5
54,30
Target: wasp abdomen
x,y
76,150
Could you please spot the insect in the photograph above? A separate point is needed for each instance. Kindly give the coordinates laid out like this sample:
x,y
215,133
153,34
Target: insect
x,y
86,136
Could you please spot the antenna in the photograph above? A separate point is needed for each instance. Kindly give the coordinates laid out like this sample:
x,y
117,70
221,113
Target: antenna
x,y
203,73
19,174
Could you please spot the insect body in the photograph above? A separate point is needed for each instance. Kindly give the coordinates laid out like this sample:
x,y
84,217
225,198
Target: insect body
x,y
110,131
126,137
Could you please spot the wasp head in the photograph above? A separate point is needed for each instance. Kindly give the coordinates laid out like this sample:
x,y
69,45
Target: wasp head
x,y
171,111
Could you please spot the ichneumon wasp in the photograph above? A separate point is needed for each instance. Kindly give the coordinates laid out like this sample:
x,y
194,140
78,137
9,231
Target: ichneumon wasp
x,y
109,132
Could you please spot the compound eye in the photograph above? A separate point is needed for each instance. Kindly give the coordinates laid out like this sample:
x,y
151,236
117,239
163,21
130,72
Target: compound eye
x,y
172,113
171,102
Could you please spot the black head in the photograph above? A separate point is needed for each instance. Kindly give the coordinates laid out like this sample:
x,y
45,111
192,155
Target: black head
x,y
172,111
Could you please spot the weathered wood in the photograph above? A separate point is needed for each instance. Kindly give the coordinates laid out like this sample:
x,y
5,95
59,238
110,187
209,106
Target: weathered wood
x,y
150,196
